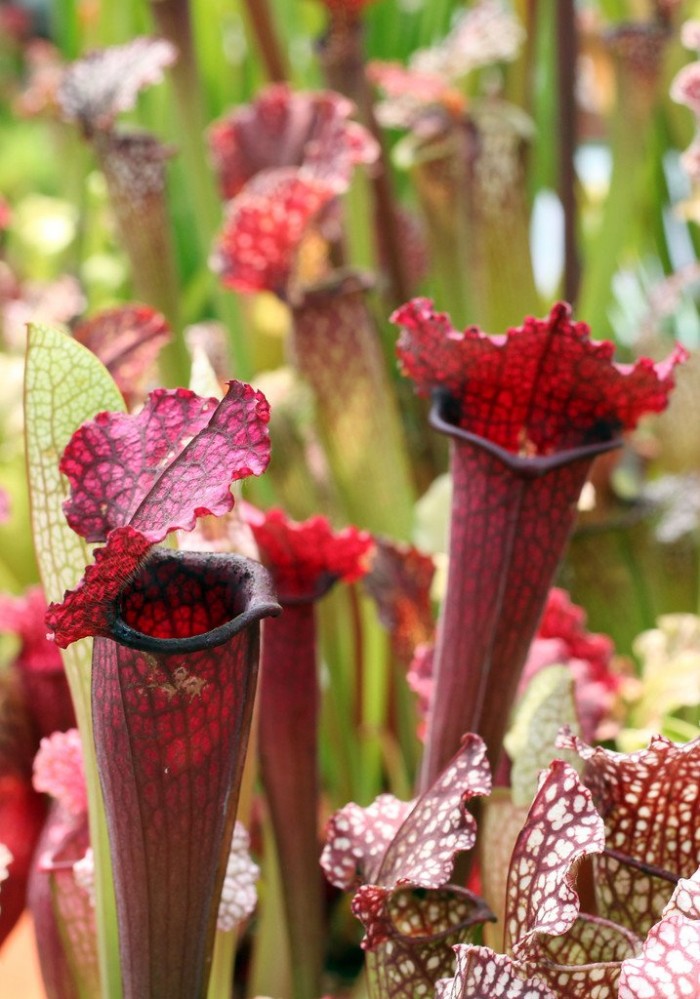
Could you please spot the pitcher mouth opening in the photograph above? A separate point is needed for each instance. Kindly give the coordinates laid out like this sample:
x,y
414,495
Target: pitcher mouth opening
x,y
467,910
180,601
323,585
442,418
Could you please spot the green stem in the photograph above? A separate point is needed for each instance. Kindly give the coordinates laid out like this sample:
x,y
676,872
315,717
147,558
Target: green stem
x,y
498,261
343,62
77,660
134,169
626,196
337,350
262,23
375,691
270,974
696,546
630,557
174,23
340,763
221,977
405,722
439,170
522,75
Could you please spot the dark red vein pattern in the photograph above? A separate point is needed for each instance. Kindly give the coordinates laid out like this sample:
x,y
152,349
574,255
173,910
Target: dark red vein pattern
x,y
482,974
540,388
562,827
391,848
136,478
305,560
669,965
527,412
160,469
127,340
171,724
577,956
421,932
91,608
301,556
178,725
288,748
507,535
650,801
400,581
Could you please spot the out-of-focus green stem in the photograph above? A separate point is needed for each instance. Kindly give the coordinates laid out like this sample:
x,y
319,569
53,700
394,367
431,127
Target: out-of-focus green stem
x,y
262,23
134,169
392,255
359,236
342,58
375,691
105,906
439,169
337,350
498,261
341,763
65,27
521,76
610,566
270,975
637,51
221,977
174,23
373,976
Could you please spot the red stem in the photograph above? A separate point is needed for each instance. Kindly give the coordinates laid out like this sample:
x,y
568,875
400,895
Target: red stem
x,y
510,521
262,23
343,62
172,713
288,745
641,865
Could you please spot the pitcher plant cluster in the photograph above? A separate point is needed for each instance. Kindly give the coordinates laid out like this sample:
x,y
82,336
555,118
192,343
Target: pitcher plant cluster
x,y
298,694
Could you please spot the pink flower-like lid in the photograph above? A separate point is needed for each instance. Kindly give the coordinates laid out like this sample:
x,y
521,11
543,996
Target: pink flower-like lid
x,y
537,390
134,479
283,128
305,558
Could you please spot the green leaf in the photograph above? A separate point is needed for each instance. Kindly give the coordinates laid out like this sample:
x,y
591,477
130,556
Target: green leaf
x,y
670,674
547,704
64,386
